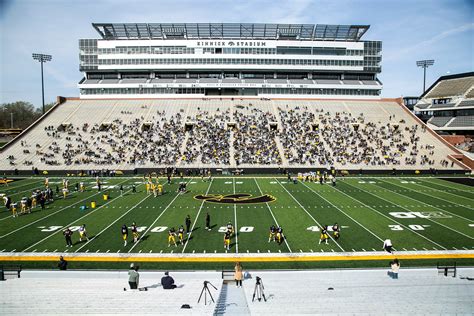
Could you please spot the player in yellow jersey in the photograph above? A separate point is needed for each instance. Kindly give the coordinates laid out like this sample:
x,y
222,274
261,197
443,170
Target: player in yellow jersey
x,y
82,187
153,188
230,228
46,182
124,234
13,207
272,233
147,186
172,237
23,205
160,189
279,235
181,235
227,240
34,201
324,235
135,232
65,192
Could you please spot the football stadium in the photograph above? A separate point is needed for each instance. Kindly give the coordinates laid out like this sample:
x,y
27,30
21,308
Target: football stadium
x,y
193,146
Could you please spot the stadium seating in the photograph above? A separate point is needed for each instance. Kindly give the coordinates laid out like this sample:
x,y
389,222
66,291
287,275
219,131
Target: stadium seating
x,y
462,121
205,133
439,106
465,103
440,120
452,87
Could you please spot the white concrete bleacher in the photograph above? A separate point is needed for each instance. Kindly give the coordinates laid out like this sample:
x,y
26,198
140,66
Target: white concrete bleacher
x,y
416,291
131,114
102,292
451,87
334,292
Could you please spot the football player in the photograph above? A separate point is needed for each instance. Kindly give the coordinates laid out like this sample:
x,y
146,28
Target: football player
x,y
124,234
23,205
324,235
82,187
230,228
336,231
172,237
46,182
272,233
279,235
83,232
13,207
181,234
135,232
227,240
65,192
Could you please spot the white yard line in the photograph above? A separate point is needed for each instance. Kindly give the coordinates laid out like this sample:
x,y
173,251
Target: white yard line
x,y
304,209
392,219
373,234
269,208
60,230
447,227
40,219
154,222
197,216
97,235
446,186
467,219
236,226
444,192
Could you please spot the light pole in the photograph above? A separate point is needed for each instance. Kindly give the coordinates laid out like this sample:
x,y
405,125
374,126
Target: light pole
x,y
11,120
42,58
424,64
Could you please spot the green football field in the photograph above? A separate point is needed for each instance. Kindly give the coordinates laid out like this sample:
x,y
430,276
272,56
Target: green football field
x,y
417,214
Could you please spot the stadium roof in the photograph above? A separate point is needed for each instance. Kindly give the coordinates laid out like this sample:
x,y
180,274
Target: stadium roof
x,y
258,31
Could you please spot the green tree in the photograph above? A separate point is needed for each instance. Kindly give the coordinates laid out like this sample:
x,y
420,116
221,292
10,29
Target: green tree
x,y
24,113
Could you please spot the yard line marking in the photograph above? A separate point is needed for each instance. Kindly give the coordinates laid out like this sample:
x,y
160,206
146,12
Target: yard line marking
x,y
391,219
34,250
86,251
115,221
60,230
97,251
154,222
364,249
332,250
374,249
140,251
465,248
40,219
235,217
150,251
107,251
118,251
197,216
437,206
425,249
45,250
304,209
454,230
270,209
458,196
343,211
436,183
405,249
415,249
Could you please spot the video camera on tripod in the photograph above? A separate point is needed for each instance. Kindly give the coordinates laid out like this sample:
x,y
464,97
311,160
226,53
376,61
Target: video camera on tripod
x,y
206,291
258,291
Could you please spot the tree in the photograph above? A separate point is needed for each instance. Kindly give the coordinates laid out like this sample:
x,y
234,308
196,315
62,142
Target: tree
x,y
24,113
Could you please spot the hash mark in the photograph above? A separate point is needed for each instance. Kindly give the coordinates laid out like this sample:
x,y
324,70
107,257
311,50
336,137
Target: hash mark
x,y
118,251
55,250
107,251
161,251
415,249
364,249
97,250
87,250
332,250
404,249
140,251
150,251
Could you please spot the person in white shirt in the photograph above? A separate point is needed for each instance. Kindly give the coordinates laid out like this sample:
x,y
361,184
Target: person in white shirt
x,y
387,245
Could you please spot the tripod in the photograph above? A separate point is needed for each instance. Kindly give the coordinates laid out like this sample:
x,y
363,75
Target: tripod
x,y
206,290
259,291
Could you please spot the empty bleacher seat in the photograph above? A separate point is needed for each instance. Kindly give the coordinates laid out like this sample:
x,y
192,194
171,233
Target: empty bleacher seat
x,y
462,121
440,120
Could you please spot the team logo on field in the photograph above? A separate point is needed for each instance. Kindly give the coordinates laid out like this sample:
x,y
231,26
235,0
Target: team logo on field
x,y
241,198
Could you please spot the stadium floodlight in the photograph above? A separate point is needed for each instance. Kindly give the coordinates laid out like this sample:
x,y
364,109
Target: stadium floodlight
x,y
424,64
42,58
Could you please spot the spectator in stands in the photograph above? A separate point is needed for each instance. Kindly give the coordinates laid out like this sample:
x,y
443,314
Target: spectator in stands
x,y
133,277
238,274
167,282
62,265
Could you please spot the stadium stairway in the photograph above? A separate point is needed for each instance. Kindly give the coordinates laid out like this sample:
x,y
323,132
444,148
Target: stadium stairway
x,y
232,300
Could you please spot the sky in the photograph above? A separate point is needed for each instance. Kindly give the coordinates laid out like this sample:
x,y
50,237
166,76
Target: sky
x,y
410,30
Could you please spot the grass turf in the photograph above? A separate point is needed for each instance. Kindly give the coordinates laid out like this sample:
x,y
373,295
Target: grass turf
x,y
417,214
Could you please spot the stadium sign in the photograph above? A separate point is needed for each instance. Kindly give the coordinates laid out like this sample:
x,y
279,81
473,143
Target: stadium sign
x,y
235,198
232,43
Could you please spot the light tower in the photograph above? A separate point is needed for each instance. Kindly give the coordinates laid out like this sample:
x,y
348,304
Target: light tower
x,y
42,58
424,64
